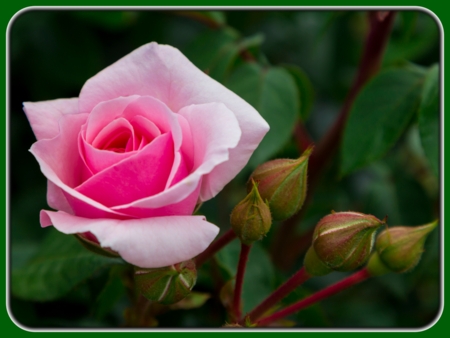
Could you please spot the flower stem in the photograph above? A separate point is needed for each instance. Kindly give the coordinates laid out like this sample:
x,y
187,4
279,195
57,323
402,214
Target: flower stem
x,y
369,65
243,258
285,247
290,285
356,278
215,246
302,137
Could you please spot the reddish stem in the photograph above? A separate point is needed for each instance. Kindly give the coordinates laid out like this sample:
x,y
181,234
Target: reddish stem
x,y
356,278
290,285
302,137
215,246
243,258
371,58
369,65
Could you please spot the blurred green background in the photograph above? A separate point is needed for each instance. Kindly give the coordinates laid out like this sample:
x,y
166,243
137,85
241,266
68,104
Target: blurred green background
x,y
52,54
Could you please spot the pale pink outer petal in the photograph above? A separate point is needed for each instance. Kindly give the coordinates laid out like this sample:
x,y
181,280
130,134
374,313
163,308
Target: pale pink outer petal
x,y
44,115
165,73
212,138
149,242
56,199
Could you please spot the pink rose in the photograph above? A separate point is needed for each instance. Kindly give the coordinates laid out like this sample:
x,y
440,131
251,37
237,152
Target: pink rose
x,y
128,160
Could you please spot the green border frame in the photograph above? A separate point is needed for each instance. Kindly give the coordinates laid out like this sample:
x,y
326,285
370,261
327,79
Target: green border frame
x,y
11,8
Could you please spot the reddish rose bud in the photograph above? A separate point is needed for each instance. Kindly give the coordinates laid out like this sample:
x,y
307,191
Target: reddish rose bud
x,y
400,248
282,183
251,219
166,285
344,240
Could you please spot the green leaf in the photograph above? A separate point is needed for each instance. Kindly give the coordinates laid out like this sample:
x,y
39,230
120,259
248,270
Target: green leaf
x,y
216,51
429,118
259,273
61,264
213,19
113,291
416,39
110,20
305,90
379,116
273,93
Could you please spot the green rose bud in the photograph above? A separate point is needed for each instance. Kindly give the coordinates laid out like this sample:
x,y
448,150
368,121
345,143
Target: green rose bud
x,y
166,285
400,248
344,240
313,265
282,183
251,219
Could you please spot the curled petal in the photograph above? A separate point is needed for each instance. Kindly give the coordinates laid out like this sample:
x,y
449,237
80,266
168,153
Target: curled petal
x,y
44,115
148,242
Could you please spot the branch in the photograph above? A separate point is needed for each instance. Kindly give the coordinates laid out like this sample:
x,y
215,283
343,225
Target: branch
x,y
356,278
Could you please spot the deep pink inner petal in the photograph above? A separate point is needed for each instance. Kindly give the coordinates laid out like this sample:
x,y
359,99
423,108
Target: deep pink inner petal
x,y
115,136
139,176
102,115
97,160
184,207
145,131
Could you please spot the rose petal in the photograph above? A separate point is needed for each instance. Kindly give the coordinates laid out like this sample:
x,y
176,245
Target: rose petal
x,y
102,115
158,113
184,207
60,162
187,147
165,73
98,160
145,131
112,133
44,115
56,198
212,139
61,152
136,177
148,242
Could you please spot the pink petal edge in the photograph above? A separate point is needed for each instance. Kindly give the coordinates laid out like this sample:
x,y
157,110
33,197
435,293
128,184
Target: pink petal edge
x,y
44,115
149,242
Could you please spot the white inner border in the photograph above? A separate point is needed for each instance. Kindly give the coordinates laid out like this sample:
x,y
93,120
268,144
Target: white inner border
x,y
287,8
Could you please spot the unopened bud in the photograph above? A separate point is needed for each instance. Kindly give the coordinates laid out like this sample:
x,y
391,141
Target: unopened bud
x,y
400,248
166,285
282,183
251,219
313,265
343,240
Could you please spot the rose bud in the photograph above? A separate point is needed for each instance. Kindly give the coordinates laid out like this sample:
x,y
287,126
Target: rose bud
x,y
313,265
282,183
251,219
343,240
166,285
400,248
